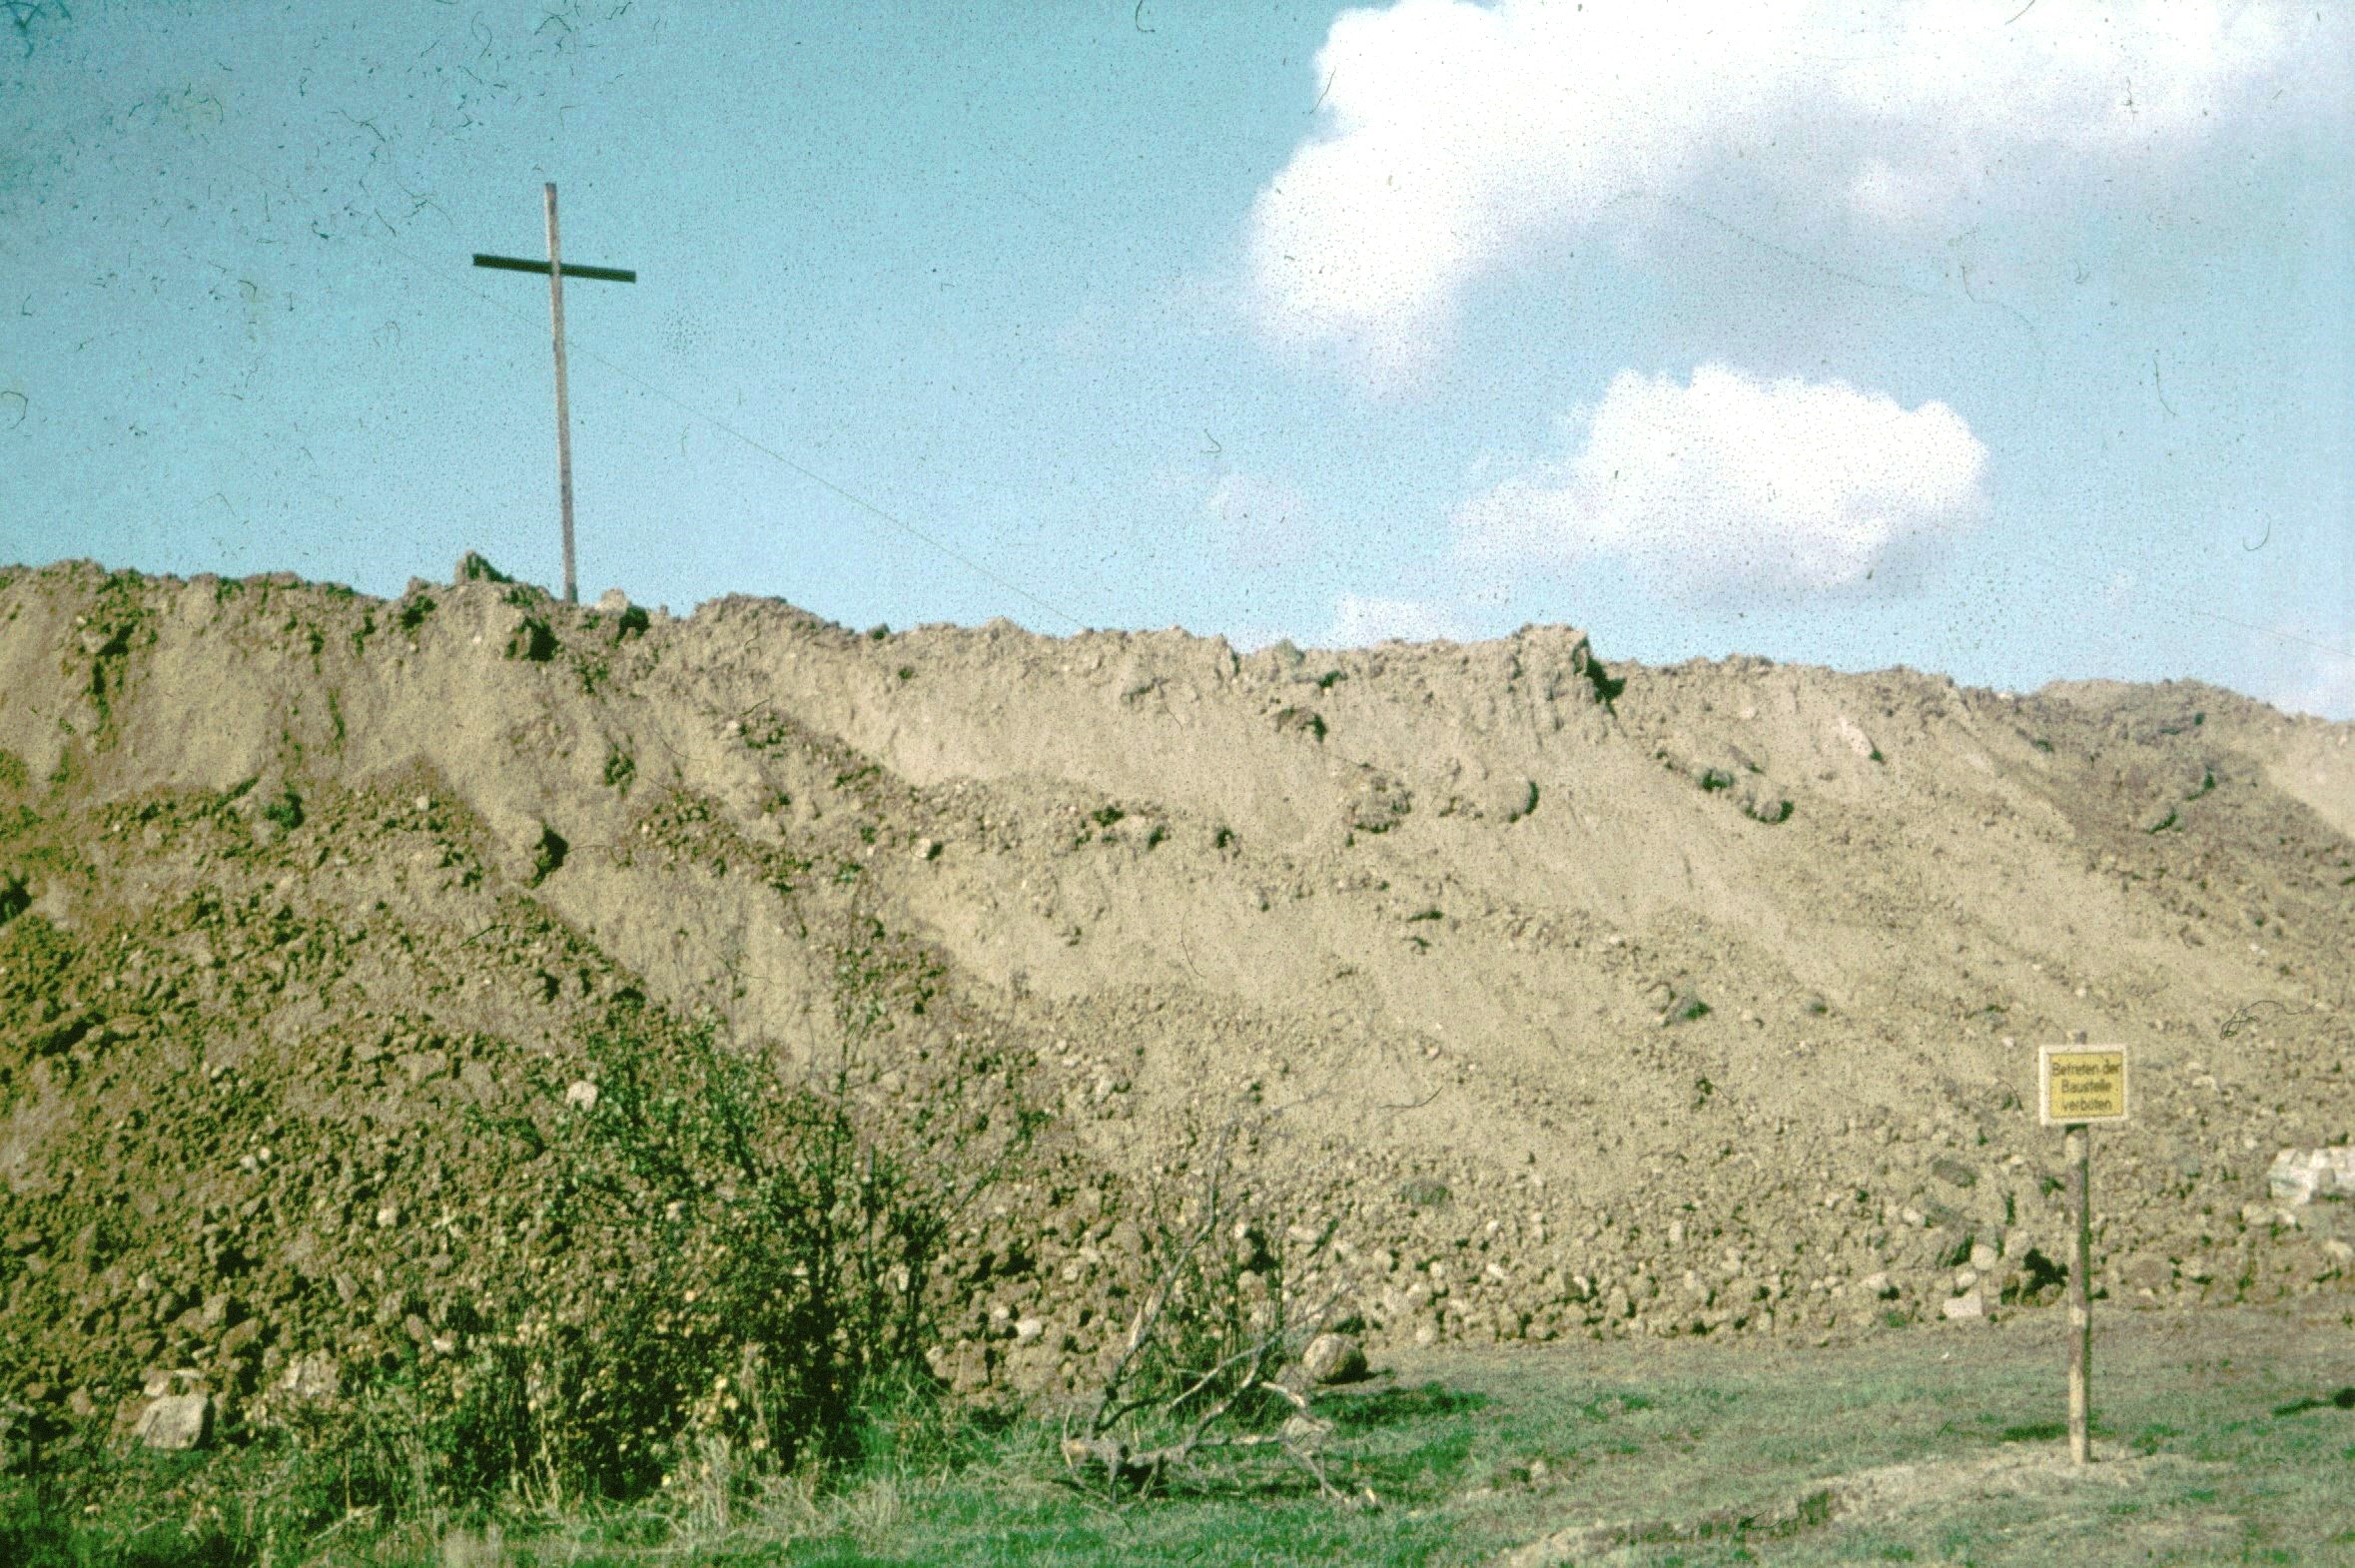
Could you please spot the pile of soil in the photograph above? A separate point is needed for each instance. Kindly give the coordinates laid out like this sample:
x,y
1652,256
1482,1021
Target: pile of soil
x,y
1582,999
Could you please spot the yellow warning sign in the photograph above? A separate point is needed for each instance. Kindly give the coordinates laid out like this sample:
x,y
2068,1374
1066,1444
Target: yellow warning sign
x,y
2082,1083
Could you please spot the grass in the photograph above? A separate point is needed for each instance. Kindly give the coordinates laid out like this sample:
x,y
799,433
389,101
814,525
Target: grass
x,y
2222,1435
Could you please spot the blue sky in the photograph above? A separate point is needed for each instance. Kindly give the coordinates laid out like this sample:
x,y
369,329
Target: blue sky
x,y
2014,343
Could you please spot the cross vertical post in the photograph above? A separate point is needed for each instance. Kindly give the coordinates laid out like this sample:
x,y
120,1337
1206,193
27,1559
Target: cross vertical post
x,y
557,270
563,404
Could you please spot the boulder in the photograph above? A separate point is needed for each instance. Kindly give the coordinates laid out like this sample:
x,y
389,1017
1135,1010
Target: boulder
x,y
313,1378
1968,1307
176,1421
2300,1175
1334,1358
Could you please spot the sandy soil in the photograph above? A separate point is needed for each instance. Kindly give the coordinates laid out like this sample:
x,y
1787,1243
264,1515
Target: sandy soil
x,y
1588,999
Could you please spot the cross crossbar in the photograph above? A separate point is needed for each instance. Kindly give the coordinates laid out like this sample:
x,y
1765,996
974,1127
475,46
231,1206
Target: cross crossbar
x,y
517,264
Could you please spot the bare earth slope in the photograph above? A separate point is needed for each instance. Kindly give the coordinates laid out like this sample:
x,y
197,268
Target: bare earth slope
x,y
1598,999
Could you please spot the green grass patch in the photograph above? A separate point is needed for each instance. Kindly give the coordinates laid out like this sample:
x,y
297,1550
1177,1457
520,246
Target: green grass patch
x,y
2221,1440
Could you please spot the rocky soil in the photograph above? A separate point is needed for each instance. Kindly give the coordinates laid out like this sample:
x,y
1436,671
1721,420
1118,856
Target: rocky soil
x,y
1583,998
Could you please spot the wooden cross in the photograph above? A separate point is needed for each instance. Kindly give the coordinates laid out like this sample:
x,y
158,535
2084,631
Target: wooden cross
x,y
557,270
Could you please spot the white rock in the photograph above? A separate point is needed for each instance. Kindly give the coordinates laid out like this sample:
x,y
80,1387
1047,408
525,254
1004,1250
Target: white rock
x,y
1877,1287
2300,1175
583,1093
1027,1329
313,1376
1967,1307
1334,1358
176,1421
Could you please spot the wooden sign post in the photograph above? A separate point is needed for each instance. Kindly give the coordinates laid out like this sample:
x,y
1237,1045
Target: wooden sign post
x,y
2079,1086
557,270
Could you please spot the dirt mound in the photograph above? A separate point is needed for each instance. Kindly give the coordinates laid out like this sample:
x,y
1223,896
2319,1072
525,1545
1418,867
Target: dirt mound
x,y
1585,999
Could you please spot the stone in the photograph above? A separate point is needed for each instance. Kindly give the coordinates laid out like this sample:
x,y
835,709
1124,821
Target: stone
x,y
1027,1329
2300,1175
1877,1287
1334,1358
1985,1257
176,1422
612,601
581,1094
1968,1307
313,1378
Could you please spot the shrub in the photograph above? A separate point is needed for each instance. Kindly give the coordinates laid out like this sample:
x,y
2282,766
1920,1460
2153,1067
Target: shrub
x,y
1202,1392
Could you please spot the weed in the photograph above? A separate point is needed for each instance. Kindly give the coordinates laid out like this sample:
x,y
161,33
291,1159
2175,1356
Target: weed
x,y
1423,1192
533,639
285,809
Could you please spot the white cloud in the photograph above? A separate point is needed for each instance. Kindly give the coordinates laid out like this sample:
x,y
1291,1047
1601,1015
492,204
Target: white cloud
x,y
1452,135
1361,623
1259,523
1731,488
